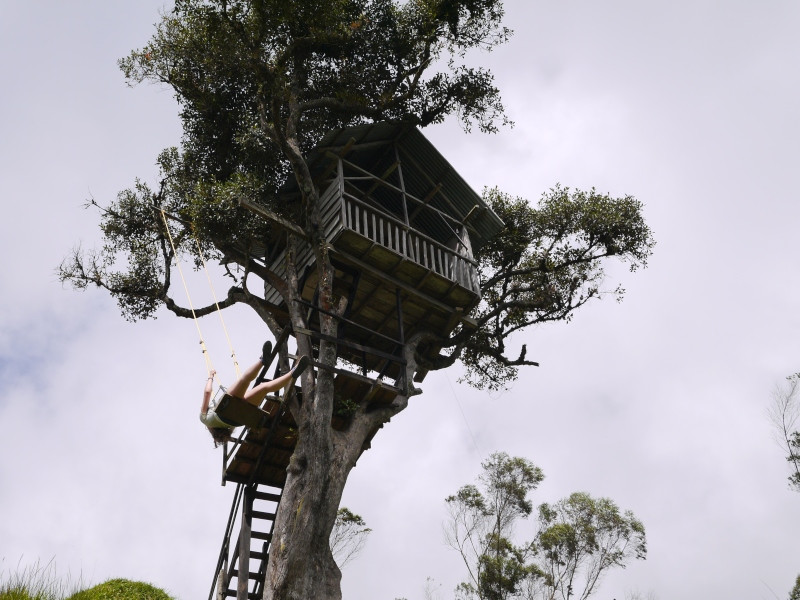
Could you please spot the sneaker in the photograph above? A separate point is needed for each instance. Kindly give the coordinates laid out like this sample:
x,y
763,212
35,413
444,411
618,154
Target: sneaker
x,y
266,353
300,366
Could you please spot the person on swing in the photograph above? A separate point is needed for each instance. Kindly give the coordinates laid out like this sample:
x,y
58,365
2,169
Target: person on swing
x,y
219,428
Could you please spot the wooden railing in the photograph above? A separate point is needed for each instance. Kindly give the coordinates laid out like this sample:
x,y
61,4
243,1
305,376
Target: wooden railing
x,y
392,233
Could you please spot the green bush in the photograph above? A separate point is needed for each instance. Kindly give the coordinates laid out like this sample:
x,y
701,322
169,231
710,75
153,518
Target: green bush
x,y
121,589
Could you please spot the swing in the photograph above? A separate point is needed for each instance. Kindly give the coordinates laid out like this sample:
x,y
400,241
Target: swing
x,y
239,412
231,409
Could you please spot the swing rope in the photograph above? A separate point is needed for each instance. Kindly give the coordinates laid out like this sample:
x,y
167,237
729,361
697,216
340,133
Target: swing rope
x,y
216,303
206,356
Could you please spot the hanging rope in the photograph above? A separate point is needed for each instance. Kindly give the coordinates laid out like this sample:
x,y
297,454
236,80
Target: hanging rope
x,y
209,365
216,303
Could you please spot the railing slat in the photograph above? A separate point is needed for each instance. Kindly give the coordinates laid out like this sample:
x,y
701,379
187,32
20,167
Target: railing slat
x,y
396,236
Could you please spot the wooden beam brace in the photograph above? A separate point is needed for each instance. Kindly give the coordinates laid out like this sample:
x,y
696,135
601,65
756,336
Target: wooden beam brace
x,y
357,377
342,319
355,346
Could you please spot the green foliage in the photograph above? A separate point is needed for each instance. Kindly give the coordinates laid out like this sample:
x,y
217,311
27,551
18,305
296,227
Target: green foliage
x,y
502,569
546,263
795,593
579,538
344,407
507,481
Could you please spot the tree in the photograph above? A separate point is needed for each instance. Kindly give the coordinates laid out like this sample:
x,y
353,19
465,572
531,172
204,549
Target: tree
x,y
482,521
579,537
795,593
258,82
349,534
785,416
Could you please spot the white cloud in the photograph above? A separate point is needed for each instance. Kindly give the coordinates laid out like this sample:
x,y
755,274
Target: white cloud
x,y
657,402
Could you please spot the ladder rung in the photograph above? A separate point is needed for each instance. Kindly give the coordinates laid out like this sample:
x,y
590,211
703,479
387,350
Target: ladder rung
x,y
250,575
260,514
232,594
267,496
261,536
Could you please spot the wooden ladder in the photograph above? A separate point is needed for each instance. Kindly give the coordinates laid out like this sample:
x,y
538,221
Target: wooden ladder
x,y
241,569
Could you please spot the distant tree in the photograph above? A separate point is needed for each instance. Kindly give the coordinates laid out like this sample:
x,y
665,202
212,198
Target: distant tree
x,y
482,521
258,83
785,416
578,540
795,593
349,534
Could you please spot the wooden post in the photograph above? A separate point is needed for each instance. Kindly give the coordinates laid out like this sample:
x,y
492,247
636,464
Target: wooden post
x,y
244,546
222,583
405,201
401,336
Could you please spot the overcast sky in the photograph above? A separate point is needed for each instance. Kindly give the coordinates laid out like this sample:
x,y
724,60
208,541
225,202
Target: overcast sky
x,y
658,402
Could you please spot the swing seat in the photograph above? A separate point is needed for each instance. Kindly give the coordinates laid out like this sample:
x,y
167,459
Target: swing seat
x,y
239,412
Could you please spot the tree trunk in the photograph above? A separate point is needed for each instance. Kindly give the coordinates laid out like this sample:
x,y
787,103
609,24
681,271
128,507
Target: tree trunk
x,y
301,565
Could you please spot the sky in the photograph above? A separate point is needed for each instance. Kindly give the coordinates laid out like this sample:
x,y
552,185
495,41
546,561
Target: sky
x,y
659,402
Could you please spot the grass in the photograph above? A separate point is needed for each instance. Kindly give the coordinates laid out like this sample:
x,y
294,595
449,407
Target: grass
x,y
37,582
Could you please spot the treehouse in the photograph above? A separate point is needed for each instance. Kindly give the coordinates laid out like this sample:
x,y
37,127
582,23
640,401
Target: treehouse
x,y
402,227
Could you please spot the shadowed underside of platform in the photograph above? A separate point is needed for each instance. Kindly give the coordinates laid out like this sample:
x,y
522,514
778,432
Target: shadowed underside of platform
x,y
262,454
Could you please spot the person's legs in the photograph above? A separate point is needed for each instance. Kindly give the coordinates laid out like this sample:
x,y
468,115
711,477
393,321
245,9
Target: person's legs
x,y
256,394
239,389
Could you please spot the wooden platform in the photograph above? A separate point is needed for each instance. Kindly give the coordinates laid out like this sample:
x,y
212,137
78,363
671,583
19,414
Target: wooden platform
x,y
263,454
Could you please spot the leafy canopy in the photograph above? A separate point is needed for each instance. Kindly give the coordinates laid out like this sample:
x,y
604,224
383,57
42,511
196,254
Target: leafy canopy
x,y
543,265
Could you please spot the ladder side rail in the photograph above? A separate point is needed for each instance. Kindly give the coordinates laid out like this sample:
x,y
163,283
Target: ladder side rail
x,y
223,553
265,548
273,426
243,574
